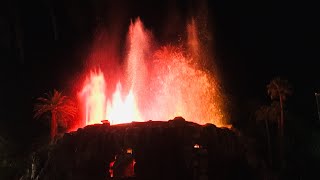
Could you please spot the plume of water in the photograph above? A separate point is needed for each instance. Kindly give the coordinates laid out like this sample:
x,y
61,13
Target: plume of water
x,y
158,84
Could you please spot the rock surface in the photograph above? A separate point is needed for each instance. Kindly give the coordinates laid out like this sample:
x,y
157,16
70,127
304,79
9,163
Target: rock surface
x,y
162,150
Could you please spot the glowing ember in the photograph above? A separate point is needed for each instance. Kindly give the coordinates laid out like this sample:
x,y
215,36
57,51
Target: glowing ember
x,y
156,84
196,146
129,151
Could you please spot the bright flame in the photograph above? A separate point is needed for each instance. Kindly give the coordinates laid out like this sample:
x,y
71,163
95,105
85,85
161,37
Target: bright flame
x,y
156,84
116,110
95,99
196,146
119,111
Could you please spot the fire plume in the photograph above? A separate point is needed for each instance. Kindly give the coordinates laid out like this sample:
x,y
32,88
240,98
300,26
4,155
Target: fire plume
x,y
155,83
122,111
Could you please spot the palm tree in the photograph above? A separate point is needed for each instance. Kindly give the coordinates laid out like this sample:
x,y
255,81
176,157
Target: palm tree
x,y
279,89
268,114
61,108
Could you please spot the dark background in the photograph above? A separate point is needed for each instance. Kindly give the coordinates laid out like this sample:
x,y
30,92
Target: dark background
x,y
254,41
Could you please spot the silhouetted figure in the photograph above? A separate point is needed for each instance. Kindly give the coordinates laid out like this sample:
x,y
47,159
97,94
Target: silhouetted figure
x,y
123,166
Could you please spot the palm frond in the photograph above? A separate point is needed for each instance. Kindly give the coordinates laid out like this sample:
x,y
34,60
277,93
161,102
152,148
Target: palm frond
x,y
279,87
43,100
55,102
40,109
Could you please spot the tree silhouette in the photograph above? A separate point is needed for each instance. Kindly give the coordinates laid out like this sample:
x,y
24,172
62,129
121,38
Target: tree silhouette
x,y
268,114
279,89
61,108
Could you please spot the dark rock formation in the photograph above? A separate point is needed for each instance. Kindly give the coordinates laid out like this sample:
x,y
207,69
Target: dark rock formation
x,y
162,150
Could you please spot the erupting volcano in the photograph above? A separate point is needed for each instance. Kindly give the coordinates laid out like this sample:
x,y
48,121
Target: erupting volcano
x,y
153,83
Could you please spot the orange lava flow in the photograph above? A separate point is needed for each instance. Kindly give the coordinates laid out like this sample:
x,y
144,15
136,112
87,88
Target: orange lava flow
x,y
156,84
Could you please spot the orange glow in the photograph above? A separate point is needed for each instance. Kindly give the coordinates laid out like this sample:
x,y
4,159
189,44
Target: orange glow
x,y
154,84
129,151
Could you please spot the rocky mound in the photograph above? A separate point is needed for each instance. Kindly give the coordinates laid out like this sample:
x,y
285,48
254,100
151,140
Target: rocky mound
x,y
175,149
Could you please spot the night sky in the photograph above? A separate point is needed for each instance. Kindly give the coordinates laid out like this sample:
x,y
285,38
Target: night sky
x,y
253,42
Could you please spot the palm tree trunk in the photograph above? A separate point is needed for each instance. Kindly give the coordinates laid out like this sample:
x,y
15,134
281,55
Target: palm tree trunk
x,y
269,144
281,132
53,131
281,118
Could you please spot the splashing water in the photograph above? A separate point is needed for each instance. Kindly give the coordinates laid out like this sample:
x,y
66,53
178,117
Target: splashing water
x,y
157,85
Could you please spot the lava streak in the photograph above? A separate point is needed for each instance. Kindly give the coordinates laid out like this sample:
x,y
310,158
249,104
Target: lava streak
x,y
156,83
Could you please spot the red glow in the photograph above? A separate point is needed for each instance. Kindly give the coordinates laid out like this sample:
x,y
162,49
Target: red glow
x,y
155,84
111,168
